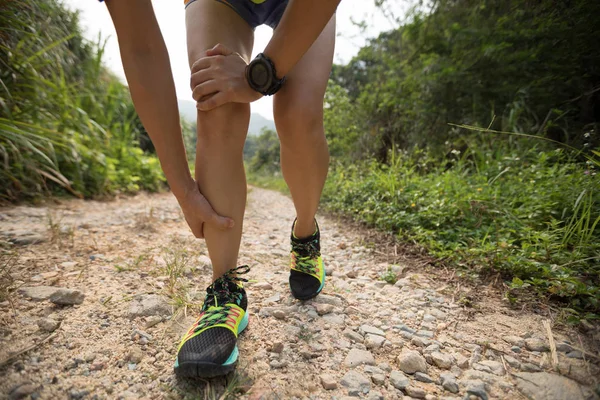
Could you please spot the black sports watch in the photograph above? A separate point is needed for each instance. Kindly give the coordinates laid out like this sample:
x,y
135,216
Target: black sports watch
x,y
262,77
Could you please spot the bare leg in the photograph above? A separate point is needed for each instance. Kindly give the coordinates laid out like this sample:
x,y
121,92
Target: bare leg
x,y
221,132
298,110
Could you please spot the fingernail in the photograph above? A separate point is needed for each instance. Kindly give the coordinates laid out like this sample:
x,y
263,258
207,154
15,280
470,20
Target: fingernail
x,y
230,224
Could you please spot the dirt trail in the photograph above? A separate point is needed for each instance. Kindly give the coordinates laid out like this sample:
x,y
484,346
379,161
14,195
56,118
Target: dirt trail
x,y
132,259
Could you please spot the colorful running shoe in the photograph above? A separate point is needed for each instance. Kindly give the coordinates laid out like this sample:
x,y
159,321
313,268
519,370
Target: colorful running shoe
x,y
307,272
209,348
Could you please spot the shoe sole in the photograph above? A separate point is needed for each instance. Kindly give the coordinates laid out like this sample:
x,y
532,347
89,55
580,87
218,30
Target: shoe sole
x,y
191,369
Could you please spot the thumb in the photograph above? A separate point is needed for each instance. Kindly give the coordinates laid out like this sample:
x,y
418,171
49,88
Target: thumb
x,y
219,50
220,222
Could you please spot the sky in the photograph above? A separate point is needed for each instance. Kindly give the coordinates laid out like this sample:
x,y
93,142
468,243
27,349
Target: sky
x,y
96,23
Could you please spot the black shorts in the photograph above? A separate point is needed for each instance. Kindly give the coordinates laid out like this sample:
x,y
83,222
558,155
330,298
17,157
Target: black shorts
x,y
255,12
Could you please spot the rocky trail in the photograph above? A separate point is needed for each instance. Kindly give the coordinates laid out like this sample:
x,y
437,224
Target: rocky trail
x,y
103,291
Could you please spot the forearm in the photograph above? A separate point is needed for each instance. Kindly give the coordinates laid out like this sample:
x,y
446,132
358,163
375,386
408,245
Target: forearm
x,y
148,71
301,24
153,92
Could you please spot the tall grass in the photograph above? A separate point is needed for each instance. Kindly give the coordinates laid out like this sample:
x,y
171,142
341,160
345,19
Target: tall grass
x,y
66,123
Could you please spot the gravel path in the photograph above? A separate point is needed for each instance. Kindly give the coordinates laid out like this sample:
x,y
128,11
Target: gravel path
x,y
106,289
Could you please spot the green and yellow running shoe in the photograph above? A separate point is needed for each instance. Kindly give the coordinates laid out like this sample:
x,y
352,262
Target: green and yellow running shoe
x,y
307,272
209,348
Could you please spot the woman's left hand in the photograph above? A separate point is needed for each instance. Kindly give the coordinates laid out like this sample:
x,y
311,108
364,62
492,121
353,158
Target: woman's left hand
x,y
220,78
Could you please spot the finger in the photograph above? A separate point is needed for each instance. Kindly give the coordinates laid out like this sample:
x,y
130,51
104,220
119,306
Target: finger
x,y
206,62
213,102
205,89
219,49
200,77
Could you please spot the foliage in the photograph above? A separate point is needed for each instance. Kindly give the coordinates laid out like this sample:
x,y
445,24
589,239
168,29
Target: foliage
x,y
65,122
533,64
262,152
531,216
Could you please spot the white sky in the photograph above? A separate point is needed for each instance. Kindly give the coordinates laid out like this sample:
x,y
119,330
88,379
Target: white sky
x,y
170,14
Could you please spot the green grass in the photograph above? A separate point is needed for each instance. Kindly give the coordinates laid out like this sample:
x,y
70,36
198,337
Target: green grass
x,y
268,181
532,217
67,125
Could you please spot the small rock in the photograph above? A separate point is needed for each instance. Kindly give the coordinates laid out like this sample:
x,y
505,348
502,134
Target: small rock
x,y
513,362
277,347
410,361
135,356
529,367
575,354
21,391
425,333
514,340
564,347
334,319
385,366
204,261
374,341
350,334
48,324
89,357
378,379
326,299
543,385
399,380
276,364
68,264
355,380
279,314
29,238
273,299
328,382
375,396
153,320
477,388
139,335
263,286
448,382
149,304
98,366
495,367
516,349
535,344
443,361
416,392
421,377
78,394
38,293
67,297
420,342
358,357
323,309
365,329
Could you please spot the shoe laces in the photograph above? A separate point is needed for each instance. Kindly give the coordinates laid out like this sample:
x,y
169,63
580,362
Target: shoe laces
x,y
306,255
219,294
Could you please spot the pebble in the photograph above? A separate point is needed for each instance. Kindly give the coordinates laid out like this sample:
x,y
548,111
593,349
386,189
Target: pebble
x,y
543,385
354,336
535,344
67,297
328,382
420,342
513,362
415,391
410,361
357,357
575,354
146,305
153,320
135,355
355,380
38,293
564,347
98,366
496,367
515,349
421,377
21,391
448,382
375,396
48,324
277,347
276,364
425,333
367,329
263,286
326,299
529,367
323,309
334,319
399,380
78,394
441,360
279,314
476,388
514,340
374,341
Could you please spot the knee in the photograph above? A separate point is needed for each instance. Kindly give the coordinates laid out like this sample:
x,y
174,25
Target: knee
x,y
299,123
224,126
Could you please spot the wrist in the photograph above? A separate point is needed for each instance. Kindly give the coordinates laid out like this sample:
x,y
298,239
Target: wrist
x,y
261,75
182,190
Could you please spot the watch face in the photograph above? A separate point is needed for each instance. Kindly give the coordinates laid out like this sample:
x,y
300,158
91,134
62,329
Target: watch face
x,y
260,75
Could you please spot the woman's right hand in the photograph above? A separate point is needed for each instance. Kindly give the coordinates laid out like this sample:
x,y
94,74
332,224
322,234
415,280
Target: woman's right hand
x,y
198,211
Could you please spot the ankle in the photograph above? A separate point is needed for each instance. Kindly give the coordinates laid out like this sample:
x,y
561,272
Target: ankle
x,y
304,229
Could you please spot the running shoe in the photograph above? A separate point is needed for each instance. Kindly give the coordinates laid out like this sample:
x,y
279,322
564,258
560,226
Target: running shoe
x,y
307,272
209,347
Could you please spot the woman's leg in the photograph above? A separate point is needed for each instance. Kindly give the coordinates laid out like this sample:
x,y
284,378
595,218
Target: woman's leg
x,y
222,131
298,109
